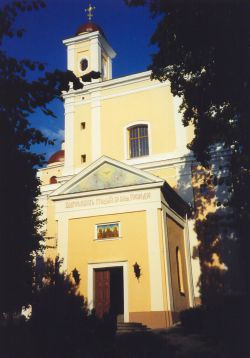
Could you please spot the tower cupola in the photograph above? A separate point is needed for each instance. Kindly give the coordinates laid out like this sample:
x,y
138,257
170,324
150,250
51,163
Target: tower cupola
x,y
89,50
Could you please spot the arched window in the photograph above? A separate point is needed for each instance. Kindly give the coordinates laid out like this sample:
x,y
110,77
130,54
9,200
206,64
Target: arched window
x,y
53,180
138,140
179,271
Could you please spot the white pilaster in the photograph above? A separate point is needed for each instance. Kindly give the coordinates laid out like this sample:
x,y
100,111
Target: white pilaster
x,y
109,69
62,240
194,254
95,54
180,130
155,273
69,137
71,57
167,262
188,261
95,125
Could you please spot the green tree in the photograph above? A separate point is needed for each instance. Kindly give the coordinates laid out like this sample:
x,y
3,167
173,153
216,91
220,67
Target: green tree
x,y
19,213
204,51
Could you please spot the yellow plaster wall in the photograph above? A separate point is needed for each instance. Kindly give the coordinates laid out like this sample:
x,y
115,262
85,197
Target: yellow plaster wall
x,y
190,133
153,106
48,172
176,239
168,174
132,247
204,203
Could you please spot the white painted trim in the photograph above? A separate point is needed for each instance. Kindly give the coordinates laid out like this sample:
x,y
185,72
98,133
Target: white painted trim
x,y
189,264
163,160
140,187
126,138
89,36
93,266
131,91
159,160
70,57
166,256
109,69
62,240
95,54
154,257
84,213
104,159
49,187
89,210
102,86
180,130
69,137
118,82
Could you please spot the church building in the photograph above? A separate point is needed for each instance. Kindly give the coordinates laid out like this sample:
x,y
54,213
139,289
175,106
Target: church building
x,y
117,195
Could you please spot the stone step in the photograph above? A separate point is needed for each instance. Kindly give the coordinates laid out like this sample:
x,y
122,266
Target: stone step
x,y
131,327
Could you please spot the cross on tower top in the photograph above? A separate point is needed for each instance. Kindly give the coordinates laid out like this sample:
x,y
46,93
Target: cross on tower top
x,y
89,11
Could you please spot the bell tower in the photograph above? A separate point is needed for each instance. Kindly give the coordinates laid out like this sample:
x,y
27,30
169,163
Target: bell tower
x,y
89,50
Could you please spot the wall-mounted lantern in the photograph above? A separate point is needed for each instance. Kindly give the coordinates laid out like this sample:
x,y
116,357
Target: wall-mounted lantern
x,y
137,270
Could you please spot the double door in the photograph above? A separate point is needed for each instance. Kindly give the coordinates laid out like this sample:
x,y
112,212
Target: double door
x,y
108,288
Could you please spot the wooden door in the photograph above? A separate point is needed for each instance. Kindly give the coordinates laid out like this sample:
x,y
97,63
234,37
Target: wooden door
x,y
102,292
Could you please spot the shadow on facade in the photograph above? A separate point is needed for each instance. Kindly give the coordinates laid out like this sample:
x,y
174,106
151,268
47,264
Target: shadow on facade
x,y
224,310
207,193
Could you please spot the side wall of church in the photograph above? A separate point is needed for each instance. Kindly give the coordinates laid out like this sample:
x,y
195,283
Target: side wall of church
x,y
178,267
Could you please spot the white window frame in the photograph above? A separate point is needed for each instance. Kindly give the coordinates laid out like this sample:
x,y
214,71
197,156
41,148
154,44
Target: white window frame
x,y
126,139
100,265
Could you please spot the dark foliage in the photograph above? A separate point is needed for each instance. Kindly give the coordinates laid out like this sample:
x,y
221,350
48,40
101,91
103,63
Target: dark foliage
x,y
204,51
59,314
19,213
193,319
60,324
224,322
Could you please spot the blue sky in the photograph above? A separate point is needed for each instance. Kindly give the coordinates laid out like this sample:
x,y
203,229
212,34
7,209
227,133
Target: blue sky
x,y
128,30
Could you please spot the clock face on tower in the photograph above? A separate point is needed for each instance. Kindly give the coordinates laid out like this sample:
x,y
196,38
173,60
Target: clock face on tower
x,y
83,64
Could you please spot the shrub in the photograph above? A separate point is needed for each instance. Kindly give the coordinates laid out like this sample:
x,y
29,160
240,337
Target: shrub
x,y
59,324
192,319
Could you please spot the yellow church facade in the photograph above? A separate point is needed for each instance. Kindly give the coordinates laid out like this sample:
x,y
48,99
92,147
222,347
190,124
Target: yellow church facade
x,y
115,197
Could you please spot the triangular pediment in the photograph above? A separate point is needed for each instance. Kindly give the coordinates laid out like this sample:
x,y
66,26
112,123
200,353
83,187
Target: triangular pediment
x,y
106,173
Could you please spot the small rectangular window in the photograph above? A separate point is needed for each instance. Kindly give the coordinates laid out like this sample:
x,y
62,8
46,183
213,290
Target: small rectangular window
x,y
83,125
83,158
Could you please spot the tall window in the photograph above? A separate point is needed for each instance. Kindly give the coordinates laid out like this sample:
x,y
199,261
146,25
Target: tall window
x,y
138,141
179,271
